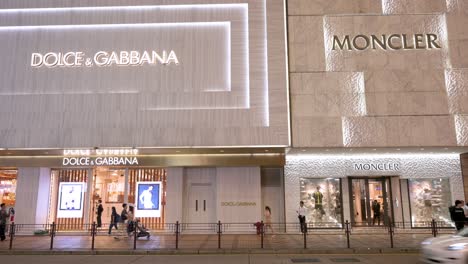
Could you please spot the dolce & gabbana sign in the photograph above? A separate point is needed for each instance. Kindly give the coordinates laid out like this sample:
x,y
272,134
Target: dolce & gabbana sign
x,y
386,42
100,157
103,58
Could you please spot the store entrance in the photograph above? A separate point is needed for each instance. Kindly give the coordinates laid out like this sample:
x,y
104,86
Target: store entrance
x,y
371,201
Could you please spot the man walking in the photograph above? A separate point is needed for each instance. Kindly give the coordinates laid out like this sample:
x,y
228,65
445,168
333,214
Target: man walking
x,y
301,214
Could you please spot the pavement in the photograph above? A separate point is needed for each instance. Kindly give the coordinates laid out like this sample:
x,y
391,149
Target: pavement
x,y
225,259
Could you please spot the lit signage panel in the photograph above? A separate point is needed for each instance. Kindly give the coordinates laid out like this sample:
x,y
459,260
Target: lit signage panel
x,y
70,202
148,199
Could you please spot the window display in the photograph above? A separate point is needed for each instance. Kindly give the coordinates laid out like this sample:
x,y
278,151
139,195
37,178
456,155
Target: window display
x,y
322,199
429,199
8,187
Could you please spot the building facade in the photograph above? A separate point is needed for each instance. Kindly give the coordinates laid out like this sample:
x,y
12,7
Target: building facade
x,y
205,110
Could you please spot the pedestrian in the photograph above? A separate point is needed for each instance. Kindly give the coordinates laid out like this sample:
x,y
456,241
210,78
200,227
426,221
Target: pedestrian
x,y
131,220
114,220
99,211
267,215
301,214
3,219
458,215
123,218
376,210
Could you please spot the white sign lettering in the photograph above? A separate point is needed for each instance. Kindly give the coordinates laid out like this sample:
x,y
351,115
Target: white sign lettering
x,y
376,166
99,161
103,59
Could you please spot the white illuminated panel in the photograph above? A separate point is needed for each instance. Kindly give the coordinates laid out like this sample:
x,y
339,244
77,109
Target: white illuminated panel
x,y
70,200
148,199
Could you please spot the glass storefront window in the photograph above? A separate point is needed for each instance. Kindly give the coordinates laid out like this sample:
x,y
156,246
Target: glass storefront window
x,y
322,198
429,199
8,187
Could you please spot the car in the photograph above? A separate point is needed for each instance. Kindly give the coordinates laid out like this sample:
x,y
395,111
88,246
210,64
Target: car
x,y
451,249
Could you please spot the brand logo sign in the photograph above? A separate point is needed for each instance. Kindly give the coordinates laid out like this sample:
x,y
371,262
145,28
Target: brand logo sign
x,y
376,166
386,42
103,59
238,204
100,157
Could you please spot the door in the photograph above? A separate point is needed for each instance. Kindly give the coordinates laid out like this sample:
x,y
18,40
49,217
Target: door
x,y
371,201
201,204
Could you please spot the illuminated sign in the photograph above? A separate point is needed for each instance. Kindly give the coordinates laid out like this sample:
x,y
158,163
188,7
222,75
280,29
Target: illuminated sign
x,y
100,157
103,58
387,42
70,204
148,199
376,166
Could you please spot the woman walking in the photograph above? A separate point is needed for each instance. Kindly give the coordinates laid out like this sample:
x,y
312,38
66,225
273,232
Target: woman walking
x,y
267,215
114,220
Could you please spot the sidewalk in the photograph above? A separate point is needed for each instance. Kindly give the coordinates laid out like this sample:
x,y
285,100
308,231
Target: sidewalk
x,y
230,243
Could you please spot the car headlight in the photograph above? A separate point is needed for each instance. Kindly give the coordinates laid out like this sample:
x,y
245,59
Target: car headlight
x,y
457,246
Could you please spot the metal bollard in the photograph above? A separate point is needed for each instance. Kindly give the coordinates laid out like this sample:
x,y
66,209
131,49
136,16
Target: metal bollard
x,y
262,233
93,234
305,235
52,235
177,235
391,232
135,228
12,234
219,234
434,227
348,232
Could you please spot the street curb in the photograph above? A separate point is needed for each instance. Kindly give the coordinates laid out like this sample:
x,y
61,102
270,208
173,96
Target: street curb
x,y
359,251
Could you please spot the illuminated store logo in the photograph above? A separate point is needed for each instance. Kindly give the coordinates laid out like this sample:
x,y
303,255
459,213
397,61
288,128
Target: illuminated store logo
x,y
387,42
100,157
376,166
103,59
238,204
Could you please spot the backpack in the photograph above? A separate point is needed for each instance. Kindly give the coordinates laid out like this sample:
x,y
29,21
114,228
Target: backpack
x,y
116,218
123,216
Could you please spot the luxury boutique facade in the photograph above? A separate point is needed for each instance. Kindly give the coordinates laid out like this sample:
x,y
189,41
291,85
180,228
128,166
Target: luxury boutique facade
x,y
205,110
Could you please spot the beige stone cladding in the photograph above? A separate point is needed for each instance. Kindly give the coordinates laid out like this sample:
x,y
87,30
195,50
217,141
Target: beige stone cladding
x,y
384,73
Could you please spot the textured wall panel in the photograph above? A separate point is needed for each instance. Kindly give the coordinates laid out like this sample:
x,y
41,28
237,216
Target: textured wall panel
x,y
325,7
146,106
306,44
457,19
317,132
413,6
457,90
399,131
340,166
354,60
461,128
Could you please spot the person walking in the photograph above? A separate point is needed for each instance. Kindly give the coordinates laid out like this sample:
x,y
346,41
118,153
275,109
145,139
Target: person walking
x,y
3,219
301,214
458,215
131,220
114,220
123,219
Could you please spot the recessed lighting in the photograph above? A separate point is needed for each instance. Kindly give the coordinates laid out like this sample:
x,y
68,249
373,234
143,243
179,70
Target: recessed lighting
x,y
221,151
327,150
46,152
177,151
304,150
421,148
266,150
8,153
446,148
374,149
398,149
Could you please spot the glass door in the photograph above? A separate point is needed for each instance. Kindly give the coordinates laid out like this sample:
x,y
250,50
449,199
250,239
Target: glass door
x,y
371,201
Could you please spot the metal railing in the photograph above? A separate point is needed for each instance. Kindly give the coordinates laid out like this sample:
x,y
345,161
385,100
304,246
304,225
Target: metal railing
x,y
220,235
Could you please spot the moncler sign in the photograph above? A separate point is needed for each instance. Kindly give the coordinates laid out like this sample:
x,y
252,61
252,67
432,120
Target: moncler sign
x,y
386,42
103,59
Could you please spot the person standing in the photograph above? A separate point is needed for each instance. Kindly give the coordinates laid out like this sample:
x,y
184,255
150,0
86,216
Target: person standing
x,y
3,219
114,220
301,214
99,211
131,220
376,210
458,215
